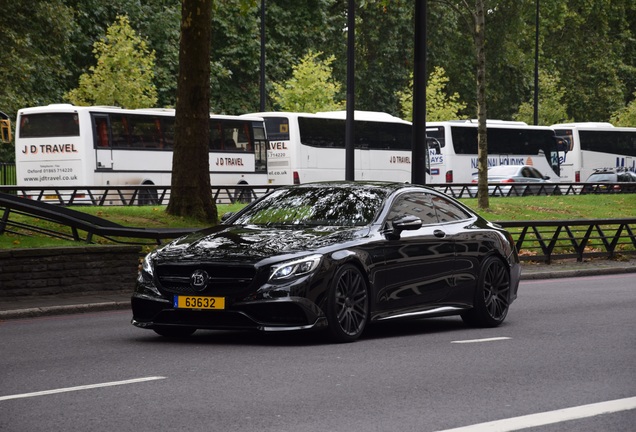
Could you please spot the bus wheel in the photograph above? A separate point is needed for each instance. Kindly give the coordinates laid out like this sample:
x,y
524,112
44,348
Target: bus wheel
x,y
148,196
244,196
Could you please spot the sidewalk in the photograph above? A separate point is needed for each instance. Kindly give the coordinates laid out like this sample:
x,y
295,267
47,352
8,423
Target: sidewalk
x,y
36,306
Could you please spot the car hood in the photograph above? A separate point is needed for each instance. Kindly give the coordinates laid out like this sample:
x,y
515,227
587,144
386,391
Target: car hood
x,y
254,243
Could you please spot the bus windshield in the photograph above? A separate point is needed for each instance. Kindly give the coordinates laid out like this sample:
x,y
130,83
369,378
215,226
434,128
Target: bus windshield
x,y
49,125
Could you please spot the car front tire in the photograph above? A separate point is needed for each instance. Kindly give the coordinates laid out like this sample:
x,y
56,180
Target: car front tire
x,y
347,304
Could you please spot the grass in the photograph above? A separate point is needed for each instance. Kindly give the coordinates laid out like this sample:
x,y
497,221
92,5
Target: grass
x,y
501,209
561,207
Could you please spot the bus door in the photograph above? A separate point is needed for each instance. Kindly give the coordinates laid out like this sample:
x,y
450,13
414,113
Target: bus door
x,y
102,140
362,158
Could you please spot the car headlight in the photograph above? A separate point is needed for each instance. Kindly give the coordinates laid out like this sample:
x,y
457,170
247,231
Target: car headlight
x,y
291,269
147,265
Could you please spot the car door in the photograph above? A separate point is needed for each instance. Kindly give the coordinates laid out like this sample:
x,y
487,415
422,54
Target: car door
x,y
531,175
468,244
418,266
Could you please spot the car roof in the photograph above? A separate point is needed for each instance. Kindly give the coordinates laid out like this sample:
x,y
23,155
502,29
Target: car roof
x,y
505,169
387,186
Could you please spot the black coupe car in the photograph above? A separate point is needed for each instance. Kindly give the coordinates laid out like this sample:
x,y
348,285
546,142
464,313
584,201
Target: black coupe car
x,y
334,256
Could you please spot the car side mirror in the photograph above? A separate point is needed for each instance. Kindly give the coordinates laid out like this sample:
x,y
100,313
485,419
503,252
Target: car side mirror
x,y
403,223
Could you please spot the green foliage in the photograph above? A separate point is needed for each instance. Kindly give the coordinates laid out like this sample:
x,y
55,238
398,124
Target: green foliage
x,y
123,74
383,53
587,42
625,116
311,87
552,110
590,44
292,29
35,37
440,106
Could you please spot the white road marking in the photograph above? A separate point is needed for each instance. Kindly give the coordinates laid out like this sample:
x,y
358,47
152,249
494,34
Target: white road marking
x,y
84,387
550,417
480,340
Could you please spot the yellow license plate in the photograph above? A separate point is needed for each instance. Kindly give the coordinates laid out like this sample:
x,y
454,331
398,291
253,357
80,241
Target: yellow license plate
x,y
198,302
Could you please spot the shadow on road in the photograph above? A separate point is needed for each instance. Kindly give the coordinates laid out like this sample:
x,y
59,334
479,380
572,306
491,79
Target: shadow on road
x,y
309,338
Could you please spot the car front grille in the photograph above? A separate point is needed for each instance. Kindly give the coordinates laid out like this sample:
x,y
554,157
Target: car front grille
x,y
223,279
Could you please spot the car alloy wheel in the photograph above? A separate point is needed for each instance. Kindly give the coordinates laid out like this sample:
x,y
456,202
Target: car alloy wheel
x,y
492,298
348,305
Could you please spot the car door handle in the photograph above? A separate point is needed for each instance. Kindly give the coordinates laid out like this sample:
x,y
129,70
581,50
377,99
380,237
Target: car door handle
x,y
439,233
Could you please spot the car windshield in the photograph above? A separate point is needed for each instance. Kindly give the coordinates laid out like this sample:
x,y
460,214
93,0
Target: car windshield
x,y
323,206
602,178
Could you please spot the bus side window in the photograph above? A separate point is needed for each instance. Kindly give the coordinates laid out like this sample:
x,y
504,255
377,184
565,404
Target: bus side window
x,y
102,133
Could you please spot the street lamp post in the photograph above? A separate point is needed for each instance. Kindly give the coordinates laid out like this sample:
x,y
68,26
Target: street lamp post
x,y
349,124
262,86
418,144
536,66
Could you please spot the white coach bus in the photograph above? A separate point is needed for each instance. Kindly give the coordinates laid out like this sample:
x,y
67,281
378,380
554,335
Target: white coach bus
x,y
310,147
452,148
590,146
65,145
307,147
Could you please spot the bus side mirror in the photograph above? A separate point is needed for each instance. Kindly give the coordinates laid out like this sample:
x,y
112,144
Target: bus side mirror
x,y
562,144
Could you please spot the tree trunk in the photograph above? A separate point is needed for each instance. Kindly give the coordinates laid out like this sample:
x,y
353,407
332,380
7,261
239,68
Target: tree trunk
x,y
482,141
190,193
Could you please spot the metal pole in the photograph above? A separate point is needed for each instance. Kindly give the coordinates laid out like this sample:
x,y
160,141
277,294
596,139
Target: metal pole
x,y
349,124
418,144
262,86
536,67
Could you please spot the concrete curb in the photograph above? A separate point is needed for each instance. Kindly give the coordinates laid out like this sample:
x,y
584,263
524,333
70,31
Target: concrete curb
x,y
63,310
577,273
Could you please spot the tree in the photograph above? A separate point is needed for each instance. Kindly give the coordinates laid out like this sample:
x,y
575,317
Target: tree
x,y
440,106
190,192
551,107
311,87
475,20
35,37
292,29
123,74
384,53
589,43
625,116
482,139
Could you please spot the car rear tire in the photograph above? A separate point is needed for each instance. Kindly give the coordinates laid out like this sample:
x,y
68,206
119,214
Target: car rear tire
x,y
347,304
492,296
174,332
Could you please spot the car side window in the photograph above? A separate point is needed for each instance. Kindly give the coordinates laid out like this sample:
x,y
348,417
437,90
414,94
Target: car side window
x,y
448,211
416,204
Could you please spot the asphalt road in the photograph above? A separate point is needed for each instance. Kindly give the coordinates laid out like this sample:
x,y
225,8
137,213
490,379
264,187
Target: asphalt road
x,y
566,351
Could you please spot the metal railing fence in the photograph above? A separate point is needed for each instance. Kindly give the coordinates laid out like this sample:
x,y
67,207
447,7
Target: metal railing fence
x,y
535,240
128,195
